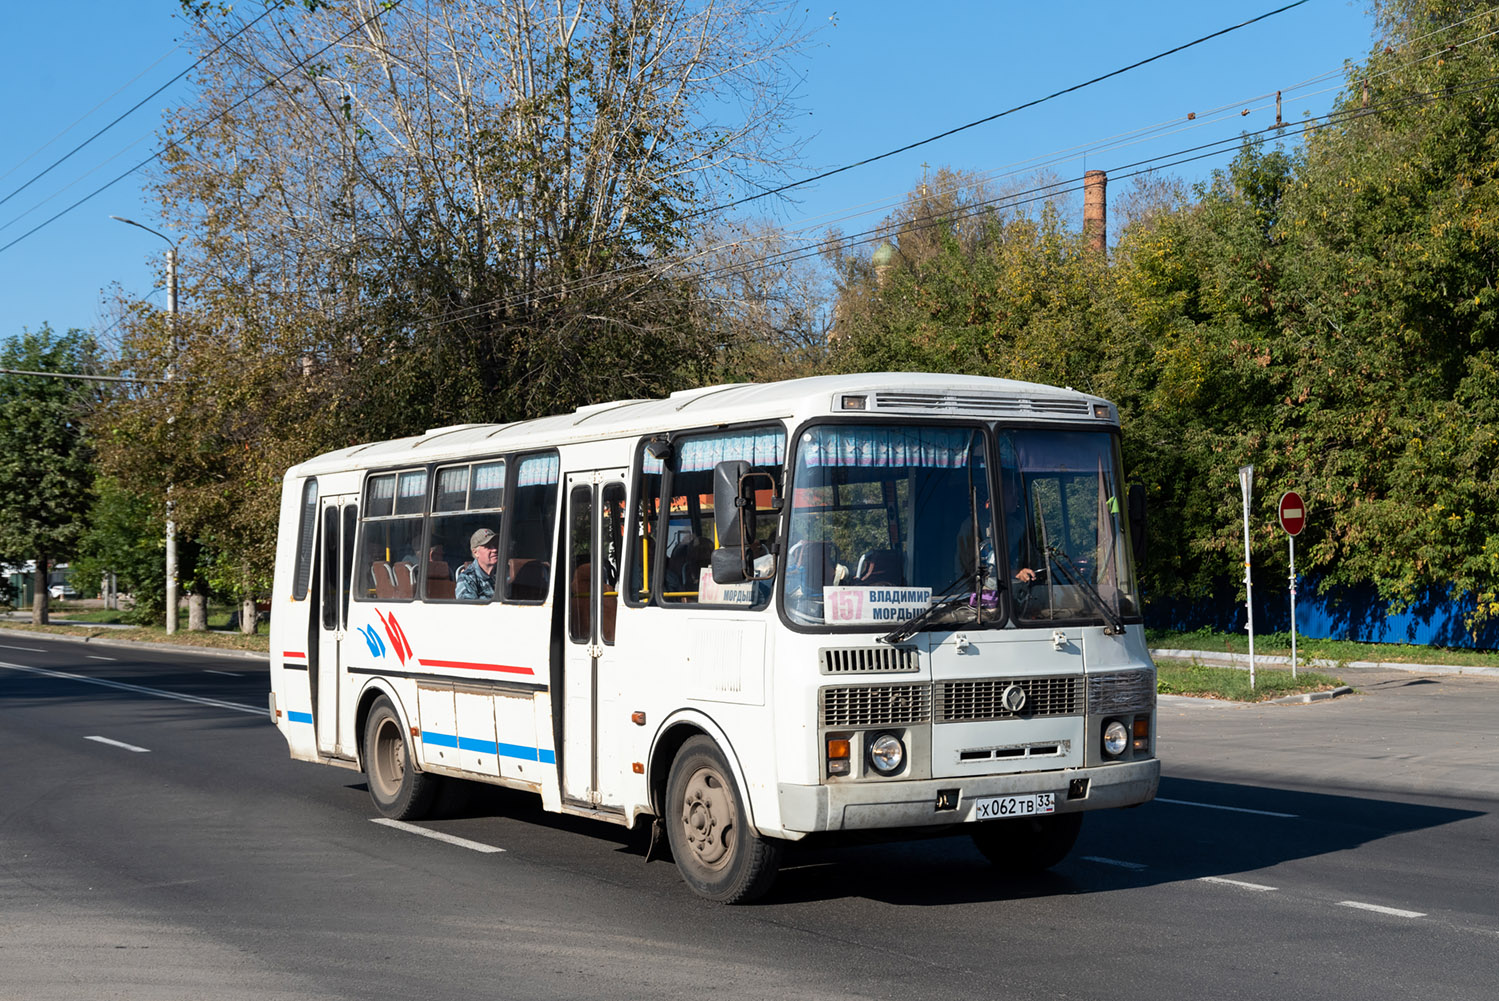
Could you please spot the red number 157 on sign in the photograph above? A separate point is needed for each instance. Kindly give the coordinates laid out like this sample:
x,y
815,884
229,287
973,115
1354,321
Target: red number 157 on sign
x,y
848,606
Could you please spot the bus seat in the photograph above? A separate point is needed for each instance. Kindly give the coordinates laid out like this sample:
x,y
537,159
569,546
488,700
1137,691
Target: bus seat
x,y
439,580
514,566
881,566
579,622
405,580
819,564
684,563
530,583
385,579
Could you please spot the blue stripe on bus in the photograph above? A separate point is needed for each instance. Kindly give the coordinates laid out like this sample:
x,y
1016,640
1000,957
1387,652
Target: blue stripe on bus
x,y
295,717
519,751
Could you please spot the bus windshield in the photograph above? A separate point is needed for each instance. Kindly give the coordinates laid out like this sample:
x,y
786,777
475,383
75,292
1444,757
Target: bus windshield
x,y
1068,540
887,520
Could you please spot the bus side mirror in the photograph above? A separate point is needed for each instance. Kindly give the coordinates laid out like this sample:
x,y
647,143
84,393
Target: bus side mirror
x,y
1137,522
734,521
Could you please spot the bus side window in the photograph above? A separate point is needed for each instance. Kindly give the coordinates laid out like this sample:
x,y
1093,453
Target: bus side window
x,y
529,530
690,536
305,532
641,556
391,536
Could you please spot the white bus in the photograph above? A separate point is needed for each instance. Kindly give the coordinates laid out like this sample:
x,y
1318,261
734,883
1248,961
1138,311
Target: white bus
x,y
748,614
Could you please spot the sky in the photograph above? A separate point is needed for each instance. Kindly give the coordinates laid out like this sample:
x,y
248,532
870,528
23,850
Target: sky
x,y
876,75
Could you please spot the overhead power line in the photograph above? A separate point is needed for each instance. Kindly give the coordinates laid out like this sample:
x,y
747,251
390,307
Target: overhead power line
x,y
389,6
132,109
1001,114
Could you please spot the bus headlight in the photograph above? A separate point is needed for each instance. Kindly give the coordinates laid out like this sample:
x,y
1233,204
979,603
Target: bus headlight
x,y
1115,738
886,754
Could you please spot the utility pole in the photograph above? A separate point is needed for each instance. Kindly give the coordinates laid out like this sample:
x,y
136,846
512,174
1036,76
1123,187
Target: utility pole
x,y
171,373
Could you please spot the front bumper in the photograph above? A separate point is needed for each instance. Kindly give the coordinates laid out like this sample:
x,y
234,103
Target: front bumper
x,y
855,806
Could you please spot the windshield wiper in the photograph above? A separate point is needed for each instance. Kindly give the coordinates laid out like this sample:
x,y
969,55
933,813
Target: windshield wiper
x,y
921,620
1074,576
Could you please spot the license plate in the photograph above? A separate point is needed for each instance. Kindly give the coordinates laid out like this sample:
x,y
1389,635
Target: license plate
x,y
997,807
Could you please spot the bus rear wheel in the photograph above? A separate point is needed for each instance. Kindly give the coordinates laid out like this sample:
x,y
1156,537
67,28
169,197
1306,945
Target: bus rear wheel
x,y
716,851
1028,845
400,791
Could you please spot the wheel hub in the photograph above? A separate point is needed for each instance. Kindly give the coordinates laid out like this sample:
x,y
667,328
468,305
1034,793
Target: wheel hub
x,y
706,817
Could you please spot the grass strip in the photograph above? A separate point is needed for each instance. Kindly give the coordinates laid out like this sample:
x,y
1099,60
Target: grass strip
x,y
1231,683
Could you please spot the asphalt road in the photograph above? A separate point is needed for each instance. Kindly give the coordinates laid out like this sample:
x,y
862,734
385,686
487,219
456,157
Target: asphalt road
x,y
157,843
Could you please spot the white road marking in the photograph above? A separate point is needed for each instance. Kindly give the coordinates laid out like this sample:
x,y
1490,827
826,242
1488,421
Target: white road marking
x,y
116,743
139,689
1395,911
1234,809
437,835
93,657
1257,887
227,674
1114,862
28,649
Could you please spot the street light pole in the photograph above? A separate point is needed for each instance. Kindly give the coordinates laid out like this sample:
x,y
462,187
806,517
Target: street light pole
x,y
171,369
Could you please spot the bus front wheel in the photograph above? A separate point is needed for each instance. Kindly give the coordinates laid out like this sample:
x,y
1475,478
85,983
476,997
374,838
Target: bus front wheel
x,y
1028,845
715,849
400,791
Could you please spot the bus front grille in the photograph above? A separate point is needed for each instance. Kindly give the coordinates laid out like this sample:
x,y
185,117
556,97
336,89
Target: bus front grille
x,y
984,699
875,705
868,660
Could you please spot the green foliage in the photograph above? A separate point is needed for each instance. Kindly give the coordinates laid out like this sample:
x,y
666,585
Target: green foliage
x,y
45,461
125,536
1326,312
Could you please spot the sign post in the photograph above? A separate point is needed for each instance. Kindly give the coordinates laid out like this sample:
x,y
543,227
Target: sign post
x,y
1246,487
1293,519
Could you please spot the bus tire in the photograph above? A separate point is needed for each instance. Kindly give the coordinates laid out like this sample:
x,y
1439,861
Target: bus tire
x,y
400,791
1027,845
717,852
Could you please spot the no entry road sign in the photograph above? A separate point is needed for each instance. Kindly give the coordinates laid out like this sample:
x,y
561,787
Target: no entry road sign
x,y
1292,513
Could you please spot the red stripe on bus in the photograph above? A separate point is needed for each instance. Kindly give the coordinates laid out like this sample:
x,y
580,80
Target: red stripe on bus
x,y
294,653
465,665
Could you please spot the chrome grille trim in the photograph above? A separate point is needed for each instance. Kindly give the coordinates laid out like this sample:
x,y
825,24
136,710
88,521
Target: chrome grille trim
x,y
874,705
868,660
980,403
1121,692
981,698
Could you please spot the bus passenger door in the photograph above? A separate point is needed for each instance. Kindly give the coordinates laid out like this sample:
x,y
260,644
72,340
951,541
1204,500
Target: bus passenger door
x,y
335,561
595,509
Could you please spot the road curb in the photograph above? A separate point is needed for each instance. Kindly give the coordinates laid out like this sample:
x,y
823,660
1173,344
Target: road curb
x,y
138,645
1314,696
1241,661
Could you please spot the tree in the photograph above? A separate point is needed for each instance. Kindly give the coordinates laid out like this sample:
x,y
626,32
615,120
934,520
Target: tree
x,y
45,460
402,216
125,538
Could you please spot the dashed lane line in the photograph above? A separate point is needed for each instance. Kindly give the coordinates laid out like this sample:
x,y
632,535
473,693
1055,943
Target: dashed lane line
x,y
28,649
96,657
227,674
1117,863
474,846
138,689
1381,909
119,743
1232,809
1241,884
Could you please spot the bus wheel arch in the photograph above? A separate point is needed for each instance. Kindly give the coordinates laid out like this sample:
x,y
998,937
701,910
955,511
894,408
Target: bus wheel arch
x,y
700,799
399,789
